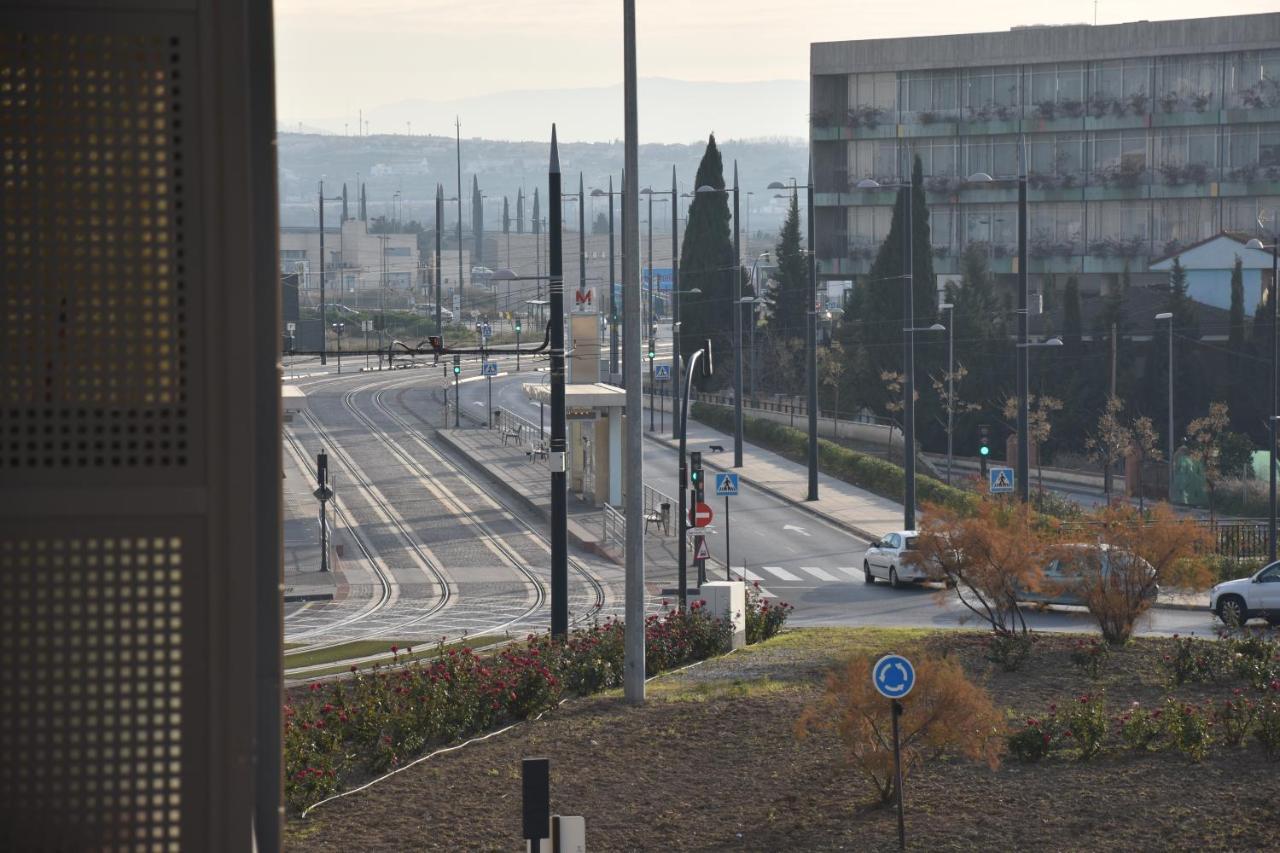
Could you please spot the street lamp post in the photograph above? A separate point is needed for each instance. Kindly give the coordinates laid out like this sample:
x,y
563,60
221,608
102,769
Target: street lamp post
x,y
324,324
1275,358
558,455
757,300
613,305
909,419
1169,437
951,386
811,328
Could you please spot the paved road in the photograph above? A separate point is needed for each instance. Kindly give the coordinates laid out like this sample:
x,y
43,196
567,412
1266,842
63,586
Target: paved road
x,y
811,563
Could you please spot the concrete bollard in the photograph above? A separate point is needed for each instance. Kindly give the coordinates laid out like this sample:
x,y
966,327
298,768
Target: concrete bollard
x,y
728,600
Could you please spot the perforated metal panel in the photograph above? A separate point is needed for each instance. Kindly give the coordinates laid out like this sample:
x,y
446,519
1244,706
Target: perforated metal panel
x,y
92,711
105,581
95,331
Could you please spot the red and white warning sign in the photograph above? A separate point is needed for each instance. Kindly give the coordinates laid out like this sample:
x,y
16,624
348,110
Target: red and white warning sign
x,y
700,551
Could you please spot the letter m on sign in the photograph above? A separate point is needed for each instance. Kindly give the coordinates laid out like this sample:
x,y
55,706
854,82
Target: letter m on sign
x,y
582,298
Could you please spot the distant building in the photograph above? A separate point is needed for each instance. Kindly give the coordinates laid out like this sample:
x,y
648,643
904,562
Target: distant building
x,y
1208,265
1141,138
357,264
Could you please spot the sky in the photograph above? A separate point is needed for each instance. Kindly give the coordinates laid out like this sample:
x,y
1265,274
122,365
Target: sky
x,y
335,57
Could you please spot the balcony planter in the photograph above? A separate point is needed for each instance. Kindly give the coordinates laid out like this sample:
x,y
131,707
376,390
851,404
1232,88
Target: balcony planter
x,y
1186,118
832,199
933,129
883,131
1126,121
828,134
1241,115
1075,193
978,127
1062,124
988,194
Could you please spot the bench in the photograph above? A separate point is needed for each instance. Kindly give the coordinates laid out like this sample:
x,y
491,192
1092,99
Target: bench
x,y
509,433
662,516
537,451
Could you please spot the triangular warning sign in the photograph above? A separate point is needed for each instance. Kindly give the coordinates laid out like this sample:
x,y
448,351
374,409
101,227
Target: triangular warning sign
x,y
1002,481
701,553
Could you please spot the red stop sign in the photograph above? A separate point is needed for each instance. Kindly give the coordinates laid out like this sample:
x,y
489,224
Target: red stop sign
x,y
702,515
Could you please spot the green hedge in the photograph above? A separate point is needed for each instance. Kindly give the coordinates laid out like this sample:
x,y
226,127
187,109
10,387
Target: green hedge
x,y
866,472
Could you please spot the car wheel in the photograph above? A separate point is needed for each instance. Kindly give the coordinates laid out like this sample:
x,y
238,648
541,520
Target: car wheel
x,y
1231,610
866,572
893,578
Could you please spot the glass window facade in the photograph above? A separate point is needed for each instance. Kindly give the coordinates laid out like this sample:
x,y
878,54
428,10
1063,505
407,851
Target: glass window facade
x,y
878,89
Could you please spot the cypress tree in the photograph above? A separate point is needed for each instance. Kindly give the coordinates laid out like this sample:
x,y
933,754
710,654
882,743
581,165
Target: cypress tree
x,y
1236,320
789,288
520,211
706,264
506,216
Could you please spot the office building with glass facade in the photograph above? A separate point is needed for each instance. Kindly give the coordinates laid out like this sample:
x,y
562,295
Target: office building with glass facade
x,y
1140,139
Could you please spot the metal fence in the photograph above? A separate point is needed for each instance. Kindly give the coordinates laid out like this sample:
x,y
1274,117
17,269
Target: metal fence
x,y
1240,540
614,533
521,430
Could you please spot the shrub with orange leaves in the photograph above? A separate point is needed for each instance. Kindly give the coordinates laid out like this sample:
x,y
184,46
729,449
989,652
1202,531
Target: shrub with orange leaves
x,y
1142,554
945,713
990,555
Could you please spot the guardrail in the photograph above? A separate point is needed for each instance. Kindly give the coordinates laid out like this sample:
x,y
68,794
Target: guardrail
x,y
514,427
614,533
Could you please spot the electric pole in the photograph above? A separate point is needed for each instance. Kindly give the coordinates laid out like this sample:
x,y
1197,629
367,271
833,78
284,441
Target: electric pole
x,y
558,456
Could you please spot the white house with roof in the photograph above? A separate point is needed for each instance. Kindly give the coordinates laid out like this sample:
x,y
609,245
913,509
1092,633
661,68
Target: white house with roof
x,y
1209,264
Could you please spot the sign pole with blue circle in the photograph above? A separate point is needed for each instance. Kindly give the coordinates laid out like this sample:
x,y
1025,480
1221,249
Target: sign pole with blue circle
x,y
893,676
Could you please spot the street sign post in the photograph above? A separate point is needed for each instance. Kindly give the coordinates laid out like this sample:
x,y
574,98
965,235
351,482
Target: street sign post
x,y
488,370
700,551
662,372
1001,480
893,676
727,485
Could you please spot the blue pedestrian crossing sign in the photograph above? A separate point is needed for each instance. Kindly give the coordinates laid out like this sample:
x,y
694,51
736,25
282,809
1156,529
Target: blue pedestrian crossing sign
x,y
893,676
1001,480
662,372
726,485
489,368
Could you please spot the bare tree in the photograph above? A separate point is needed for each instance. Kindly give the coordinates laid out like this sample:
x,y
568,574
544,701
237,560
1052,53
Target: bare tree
x,y
1146,444
1040,409
1204,441
831,370
1109,441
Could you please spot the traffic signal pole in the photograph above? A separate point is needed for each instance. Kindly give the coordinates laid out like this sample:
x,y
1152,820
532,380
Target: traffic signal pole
x,y
558,455
682,514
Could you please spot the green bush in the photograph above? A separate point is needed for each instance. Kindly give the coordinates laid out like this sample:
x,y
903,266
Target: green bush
x,y
858,469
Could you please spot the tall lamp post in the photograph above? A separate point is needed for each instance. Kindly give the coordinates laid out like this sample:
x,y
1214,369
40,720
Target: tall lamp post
x,y
1275,357
613,304
675,302
811,330
951,384
558,455
757,300
909,421
1024,452
1169,436
324,320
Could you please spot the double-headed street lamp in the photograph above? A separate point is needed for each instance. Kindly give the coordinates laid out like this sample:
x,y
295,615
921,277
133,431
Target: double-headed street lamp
x,y
1275,357
675,297
613,304
811,328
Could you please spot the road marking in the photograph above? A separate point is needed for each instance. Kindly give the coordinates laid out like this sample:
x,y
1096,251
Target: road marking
x,y
780,573
819,573
751,577
856,574
799,530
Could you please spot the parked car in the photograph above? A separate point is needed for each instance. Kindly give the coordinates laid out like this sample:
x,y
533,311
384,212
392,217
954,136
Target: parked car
x,y
1237,601
891,558
1065,576
428,309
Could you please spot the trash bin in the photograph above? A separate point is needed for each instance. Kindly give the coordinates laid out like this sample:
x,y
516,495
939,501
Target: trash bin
x,y
497,418
665,509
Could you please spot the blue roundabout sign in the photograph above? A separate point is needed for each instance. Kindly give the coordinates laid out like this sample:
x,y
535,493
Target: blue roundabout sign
x,y
893,676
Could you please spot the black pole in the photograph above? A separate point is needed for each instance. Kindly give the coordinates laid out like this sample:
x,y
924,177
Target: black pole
x,y
908,358
324,319
559,496
896,712
458,148
439,254
457,401
682,515
613,302
736,290
1275,357
582,243
812,313
675,303
1023,472
652,321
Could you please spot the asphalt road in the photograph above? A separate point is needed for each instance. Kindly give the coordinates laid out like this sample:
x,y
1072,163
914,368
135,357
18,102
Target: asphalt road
x,y
810,563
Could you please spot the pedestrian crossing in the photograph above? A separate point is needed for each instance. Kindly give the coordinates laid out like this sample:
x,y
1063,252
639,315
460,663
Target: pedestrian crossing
x,y
799,574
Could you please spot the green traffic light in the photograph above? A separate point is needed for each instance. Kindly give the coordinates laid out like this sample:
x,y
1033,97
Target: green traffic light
x,y
984,451
456,370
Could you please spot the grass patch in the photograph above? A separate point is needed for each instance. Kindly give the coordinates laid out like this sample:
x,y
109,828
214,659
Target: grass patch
x,y
840,642
368,648
705,691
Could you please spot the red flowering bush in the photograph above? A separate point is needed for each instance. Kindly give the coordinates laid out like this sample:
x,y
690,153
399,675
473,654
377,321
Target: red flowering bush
x,y
1139,729
1234,717
1090,656
1038,737
384,716
764,618
1188,727
1267,729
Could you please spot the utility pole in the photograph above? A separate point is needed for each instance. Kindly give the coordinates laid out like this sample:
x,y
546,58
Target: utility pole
x,y
439,254
582,242
458,149
1023,472
813,348
675,308
633,636
613,303
908,355
558,455
653,324
382,296
737,326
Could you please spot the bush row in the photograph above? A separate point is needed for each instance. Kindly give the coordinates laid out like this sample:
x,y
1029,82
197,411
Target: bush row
x,y
383,716
859,469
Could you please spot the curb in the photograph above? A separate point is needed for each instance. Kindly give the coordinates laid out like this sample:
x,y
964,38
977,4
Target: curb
x,y
804,506
592,546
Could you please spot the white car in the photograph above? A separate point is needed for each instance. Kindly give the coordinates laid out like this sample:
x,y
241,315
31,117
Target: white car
x,y
1238,601
888,559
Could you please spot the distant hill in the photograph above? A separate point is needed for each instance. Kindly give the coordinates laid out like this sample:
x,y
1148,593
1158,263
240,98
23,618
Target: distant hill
x,y
413,164
669,111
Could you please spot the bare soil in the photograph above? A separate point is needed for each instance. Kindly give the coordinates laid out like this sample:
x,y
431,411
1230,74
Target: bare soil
x,y
711,762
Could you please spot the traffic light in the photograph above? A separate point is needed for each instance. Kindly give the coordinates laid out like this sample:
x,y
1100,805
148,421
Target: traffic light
x,y
457,365
653,349
984,448
518,329
707,369
696,476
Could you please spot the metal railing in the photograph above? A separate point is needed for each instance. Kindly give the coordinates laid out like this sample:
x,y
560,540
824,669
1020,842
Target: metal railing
x,y
614,532
1240,540
522,430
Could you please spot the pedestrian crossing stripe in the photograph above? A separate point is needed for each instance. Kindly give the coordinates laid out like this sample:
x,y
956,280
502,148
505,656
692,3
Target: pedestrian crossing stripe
x,y
819,573
780,573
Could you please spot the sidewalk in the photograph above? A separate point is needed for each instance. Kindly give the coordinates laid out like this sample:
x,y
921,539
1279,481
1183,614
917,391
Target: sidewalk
x,y
508,468
303,580
867,515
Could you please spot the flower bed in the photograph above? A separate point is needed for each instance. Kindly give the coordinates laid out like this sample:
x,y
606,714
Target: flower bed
x,y
380,718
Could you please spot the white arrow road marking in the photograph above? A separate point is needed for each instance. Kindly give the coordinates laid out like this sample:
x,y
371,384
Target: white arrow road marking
x,y
780,573
799,530
819,573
